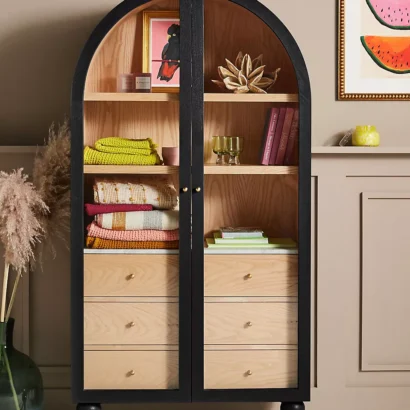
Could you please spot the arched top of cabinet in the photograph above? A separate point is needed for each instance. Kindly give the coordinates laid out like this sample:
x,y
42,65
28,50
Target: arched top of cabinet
x,y
230,26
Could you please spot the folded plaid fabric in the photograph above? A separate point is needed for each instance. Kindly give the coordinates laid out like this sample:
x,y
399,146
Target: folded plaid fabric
x,y
160,195
98,243
140,235
125,221
93,157
94,209
117,145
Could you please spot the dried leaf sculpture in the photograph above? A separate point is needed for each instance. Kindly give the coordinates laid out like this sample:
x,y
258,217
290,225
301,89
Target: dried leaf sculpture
x,y
246,75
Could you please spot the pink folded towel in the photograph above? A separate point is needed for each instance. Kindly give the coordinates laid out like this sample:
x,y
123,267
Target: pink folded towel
x,y
138,235
94,209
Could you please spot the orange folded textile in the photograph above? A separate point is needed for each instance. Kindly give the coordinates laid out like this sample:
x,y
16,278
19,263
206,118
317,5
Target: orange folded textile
x,y
98,243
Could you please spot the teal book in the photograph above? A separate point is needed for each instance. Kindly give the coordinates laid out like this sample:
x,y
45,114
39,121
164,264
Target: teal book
x,y
273,243
235,241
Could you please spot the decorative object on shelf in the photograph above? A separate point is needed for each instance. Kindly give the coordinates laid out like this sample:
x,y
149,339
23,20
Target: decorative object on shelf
x,y
21,384
220,148
373,67
234,147
122,151
170,155
52,179
125,83
20,231
346,139
366,136
246,75
161,54
142,82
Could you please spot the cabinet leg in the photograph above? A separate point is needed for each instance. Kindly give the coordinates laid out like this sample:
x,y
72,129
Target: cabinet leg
x,y
83,406
292,406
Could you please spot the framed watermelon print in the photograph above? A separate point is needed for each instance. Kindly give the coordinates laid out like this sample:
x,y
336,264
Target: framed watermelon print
x,y
374,50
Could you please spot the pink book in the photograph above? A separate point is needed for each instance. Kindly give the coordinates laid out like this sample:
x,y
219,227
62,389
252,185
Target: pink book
x,y
280,157
293,137
269,134
276,139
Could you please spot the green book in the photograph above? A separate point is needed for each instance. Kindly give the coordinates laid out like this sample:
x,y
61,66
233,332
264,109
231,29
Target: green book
x,y
235,241
272,244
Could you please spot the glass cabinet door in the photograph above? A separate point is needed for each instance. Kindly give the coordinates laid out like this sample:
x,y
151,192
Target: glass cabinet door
x,y
245,209
132,228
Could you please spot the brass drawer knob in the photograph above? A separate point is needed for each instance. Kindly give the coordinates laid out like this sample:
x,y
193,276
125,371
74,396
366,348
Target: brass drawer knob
x,y
131,324
130,277
131,373
248,276
249,324
198,189
248,373
184,189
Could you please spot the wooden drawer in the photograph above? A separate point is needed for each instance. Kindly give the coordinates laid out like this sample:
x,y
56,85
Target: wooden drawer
x,y
251,275
130,323
251,323
247,369
131,370
131,275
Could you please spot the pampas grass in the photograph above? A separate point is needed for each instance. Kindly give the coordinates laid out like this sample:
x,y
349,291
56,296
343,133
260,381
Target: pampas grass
x,y
51,176
20,227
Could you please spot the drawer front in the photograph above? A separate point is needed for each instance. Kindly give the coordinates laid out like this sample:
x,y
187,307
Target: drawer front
x,y
131,275
251,275
130,323
131,370
251,323
250,369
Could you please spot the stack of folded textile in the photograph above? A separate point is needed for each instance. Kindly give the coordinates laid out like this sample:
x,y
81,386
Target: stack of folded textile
x,y
133,216
122,151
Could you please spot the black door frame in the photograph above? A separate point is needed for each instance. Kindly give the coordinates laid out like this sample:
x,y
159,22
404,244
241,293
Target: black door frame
x,y
183,393
302,392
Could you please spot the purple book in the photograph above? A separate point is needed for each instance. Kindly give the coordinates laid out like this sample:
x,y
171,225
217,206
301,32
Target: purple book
x,y
293,137
280,157
276,139
269,135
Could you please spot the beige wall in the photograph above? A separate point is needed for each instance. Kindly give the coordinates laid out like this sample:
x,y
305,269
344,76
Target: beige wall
x,y
41,40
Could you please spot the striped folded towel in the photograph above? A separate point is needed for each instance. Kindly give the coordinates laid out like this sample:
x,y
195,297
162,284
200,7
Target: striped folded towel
x,y
128,221
98,243
139,235
118,145
93,157
160,195
94,209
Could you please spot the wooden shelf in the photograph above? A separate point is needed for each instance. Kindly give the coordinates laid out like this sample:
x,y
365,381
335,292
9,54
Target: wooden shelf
x,y
208,97
207,251
227,97
131,97
213,169
130,169
336,150
133,251
249,251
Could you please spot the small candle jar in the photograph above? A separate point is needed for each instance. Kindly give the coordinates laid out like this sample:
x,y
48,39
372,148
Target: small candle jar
x,y
125,83
142,82
366,136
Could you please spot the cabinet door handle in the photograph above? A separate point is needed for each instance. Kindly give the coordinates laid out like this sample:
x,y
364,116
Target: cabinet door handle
x,y
184,189
131,373
131,324
131,276
248,373
248,276
249,324
198,189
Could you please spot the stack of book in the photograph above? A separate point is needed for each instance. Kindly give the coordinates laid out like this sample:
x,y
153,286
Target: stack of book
x,y
247,238
279,143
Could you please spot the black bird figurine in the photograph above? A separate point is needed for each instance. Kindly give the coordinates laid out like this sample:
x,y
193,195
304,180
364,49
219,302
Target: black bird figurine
x,y
170,55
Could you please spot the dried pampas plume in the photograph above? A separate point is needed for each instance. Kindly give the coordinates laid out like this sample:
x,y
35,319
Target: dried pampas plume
x,y
51,176
21,210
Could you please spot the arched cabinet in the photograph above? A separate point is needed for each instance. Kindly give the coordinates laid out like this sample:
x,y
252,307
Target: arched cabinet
x,y
192,322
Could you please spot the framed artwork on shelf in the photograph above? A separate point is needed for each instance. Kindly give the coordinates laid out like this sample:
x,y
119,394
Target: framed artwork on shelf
x,y
374,50
161,58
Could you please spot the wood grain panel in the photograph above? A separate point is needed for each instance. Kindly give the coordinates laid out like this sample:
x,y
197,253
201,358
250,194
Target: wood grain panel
x,y
269,369
271,275
250,323
130,370
131,275
121,49
385,281
131,323
267,201
230,28
135,120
